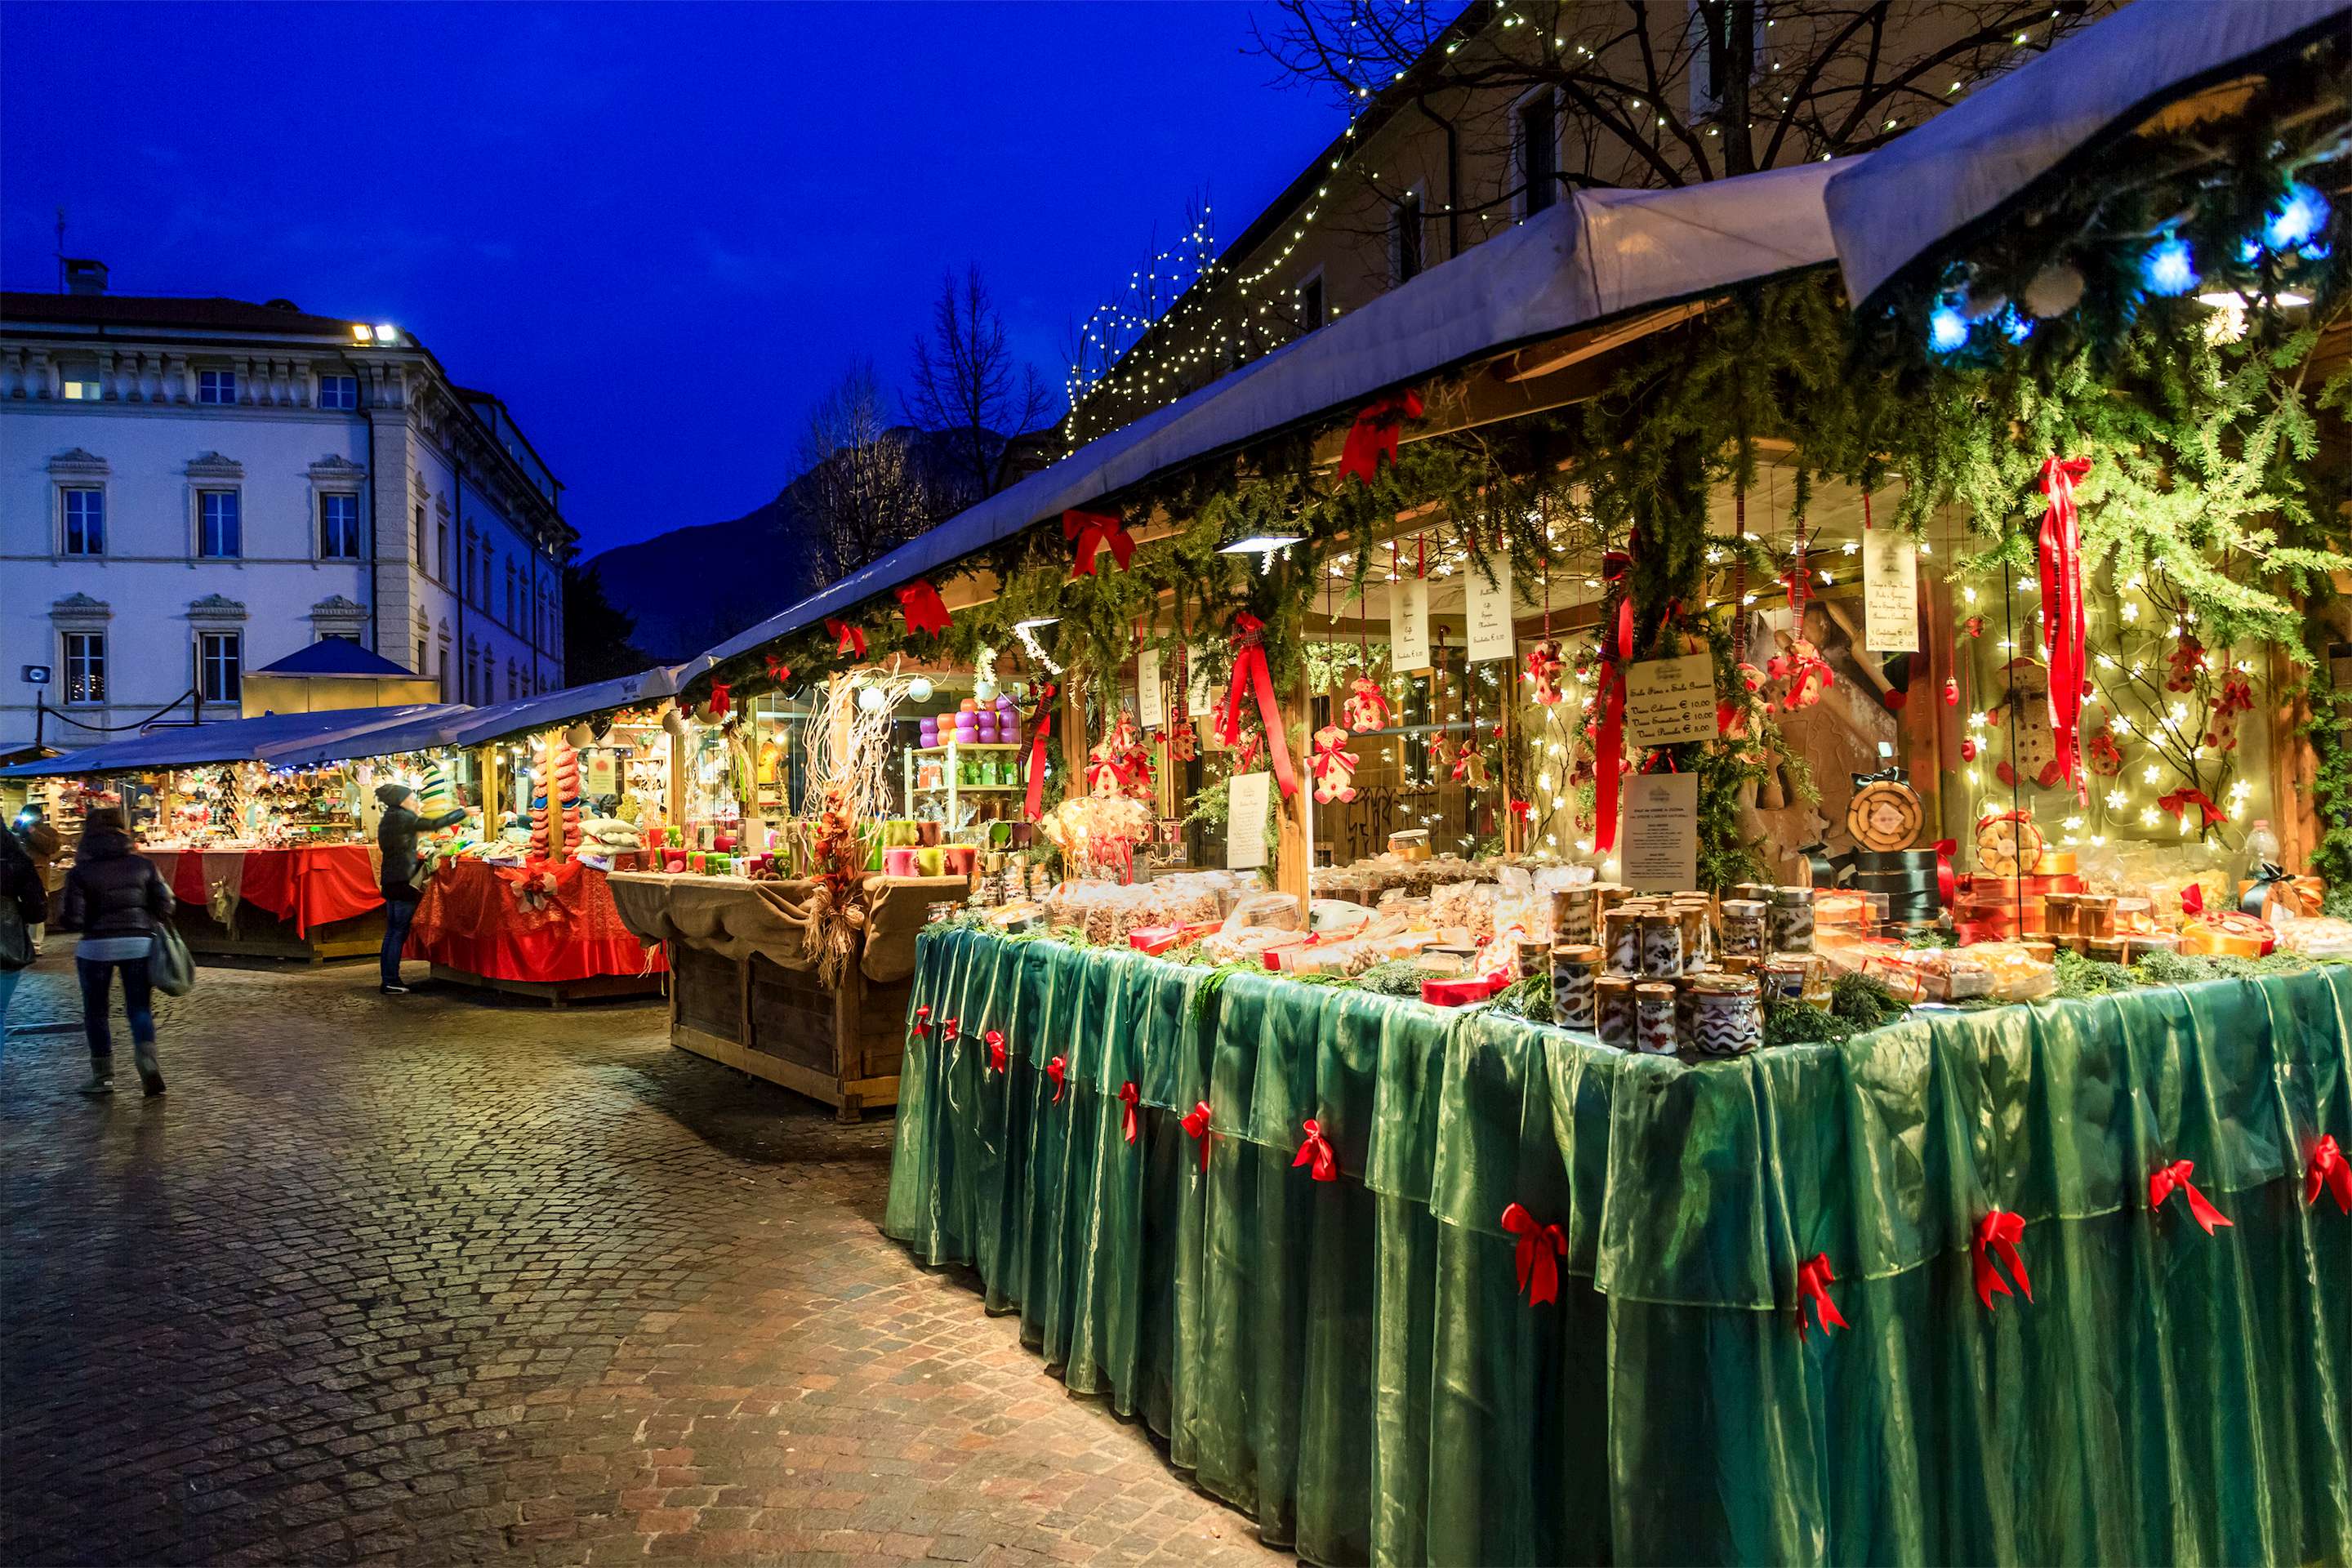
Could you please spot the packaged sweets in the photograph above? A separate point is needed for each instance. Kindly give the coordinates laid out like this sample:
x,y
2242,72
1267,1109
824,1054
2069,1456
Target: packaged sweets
x,y
1745,928
1621,939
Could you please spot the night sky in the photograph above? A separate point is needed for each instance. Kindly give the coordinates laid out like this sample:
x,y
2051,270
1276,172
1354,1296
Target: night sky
x,y
657,231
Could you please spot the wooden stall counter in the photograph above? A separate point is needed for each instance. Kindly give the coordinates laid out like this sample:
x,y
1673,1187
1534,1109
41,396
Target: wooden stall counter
x,y
744,988
547,931
311,901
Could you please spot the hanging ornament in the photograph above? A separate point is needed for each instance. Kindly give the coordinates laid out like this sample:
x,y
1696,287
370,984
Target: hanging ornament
x,y
1470,766
2024,705
1333,764
2186,662
1367,708
2106,757
2181,801
1182,743
1968,749
2237,697
2054,290
2065,626
1544,669
1799,663
1951,691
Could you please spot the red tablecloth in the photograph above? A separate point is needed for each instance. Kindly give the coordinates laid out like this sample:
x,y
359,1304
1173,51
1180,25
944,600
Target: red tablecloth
x,y
311,885
540,922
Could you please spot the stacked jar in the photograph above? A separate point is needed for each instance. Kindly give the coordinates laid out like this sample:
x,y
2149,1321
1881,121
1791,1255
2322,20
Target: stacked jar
x,y
1575,976
1728,1016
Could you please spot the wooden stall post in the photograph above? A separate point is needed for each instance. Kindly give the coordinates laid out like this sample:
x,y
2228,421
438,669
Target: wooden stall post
x,y
490,792
547,782
1294,849
1074,735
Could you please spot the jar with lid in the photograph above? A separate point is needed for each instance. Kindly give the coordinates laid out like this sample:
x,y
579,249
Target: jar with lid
x,y
1744,930
1662,945
1653,1003
1620,938
1575,971
1792,919
1571,916
1614,1012
2094,914
1727,1015
1698,938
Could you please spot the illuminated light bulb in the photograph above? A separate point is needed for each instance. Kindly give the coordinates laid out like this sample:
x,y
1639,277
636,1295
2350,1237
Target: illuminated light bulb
x,y
2148,774
1971,776
2148,816
1853,545
1970,594
2115,800
1925,549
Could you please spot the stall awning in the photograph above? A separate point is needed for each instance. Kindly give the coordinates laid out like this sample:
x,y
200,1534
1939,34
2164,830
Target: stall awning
x,y
459,726
231,741
1591,258
338,658
1974,161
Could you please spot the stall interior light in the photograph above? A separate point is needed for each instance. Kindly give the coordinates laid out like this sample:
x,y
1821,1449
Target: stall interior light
x,y
2230,300
1031,624
2169,268
1260,543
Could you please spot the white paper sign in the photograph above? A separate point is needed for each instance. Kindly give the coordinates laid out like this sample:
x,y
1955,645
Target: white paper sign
x,y
1489,610
1890,592
1657,833
1409,624
1196,683
1670,701
1151,709
1245,794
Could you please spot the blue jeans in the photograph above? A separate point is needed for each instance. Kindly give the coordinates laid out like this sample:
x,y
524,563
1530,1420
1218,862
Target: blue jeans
x,y
138,1003
397,913
8,990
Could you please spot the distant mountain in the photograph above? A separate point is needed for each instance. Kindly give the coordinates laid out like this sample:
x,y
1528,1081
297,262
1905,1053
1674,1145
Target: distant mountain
x,y
695,586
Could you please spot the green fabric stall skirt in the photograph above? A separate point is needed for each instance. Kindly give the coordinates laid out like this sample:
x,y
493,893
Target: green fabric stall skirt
x,y
1354,1363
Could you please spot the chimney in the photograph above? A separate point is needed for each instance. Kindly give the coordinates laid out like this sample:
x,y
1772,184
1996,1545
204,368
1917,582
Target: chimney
x,y
85,275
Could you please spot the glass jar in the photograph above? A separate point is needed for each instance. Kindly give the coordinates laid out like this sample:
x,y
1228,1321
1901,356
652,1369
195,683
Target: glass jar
x,y
2095,915
1726,1014
1783,976
1621,939
1662,945
1533,958
1571,916
1575,973
1791,917
1745,928
1698,935
1615,1014
1654,1006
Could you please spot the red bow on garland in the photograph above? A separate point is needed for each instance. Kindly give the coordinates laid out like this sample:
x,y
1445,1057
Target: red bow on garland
x,y
1088,531
1128,1097
1537,1256
1999,1232
922,604
2330,1173
779,671
1608,749
2180,800
720,700
1316,1153
2064,625
1059,1072
846,638
2174,1176
1195,1121
1373,435
1813,1281
1252,674
922,1022
1041,722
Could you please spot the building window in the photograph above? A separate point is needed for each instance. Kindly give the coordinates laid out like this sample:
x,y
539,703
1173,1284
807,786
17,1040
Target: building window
x,y
220,533
339,527
445,675
220,666
1538,139
514,604
420,538
338,392
216,386
514,681
83,391
1310,303
85,668
420,656
84,514
1404,238
441,551
490,676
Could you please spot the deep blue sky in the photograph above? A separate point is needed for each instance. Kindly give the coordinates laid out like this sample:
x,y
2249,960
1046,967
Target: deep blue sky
x,y
657,231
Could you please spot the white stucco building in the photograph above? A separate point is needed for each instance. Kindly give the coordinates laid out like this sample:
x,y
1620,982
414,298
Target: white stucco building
x,y
193,489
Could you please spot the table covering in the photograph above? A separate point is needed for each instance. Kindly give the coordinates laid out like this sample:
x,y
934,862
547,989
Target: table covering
x,y
1355,1363
309,884
526,923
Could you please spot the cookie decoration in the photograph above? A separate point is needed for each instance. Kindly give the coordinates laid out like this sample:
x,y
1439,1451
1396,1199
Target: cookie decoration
x,y
2008,843
1885,813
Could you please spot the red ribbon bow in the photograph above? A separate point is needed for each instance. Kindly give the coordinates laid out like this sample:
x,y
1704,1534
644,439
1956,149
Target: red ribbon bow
x,y
720,702
1195,1121
1608,749
1041,726
922,1021
1252,674
847,638
2178,802
1999,1232
1088,531
948,1028
1946,884
778,671
1373,435
1814,1278
2167,1178
1317,1151
922,604
1059,1072
2329,1171
2192,898
1128,1097
2063,625
996,1053
1537,1256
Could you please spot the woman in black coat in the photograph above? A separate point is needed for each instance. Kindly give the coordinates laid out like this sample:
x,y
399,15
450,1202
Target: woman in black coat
x,y
114,897
21,884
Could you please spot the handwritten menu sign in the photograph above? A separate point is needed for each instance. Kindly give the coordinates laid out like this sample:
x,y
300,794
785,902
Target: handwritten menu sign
x,y
1409,624
1488,610
1658,832
1150,710
1670,701
1890,591
1245,822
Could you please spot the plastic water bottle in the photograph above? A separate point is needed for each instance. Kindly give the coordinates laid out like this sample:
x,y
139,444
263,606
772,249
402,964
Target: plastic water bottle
x,y
2262,849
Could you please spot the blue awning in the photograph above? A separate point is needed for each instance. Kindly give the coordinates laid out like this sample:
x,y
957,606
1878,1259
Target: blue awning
x,y
231,741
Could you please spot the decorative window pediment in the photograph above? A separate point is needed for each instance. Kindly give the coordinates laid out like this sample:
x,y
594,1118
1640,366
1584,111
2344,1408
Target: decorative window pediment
x,y
78,610
78,464
216,607
335,466
335,607
213,466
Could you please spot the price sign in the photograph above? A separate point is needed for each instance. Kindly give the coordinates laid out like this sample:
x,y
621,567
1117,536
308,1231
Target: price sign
x,y
1245,795
1670,701
1890,591
1658,849
1151,708
1488,610
1409,624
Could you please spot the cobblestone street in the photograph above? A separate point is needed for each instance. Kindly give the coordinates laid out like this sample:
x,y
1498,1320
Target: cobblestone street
x,y
438,1281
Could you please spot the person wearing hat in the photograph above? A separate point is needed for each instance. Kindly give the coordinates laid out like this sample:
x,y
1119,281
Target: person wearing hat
x,y
114,898
396,836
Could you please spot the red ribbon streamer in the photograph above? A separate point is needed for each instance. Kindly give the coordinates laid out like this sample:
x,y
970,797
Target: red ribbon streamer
x,y
1998,1233
1373,435
1088,531
847,638
2063,625
924,610
1814,1278
2329,1172
1042,727
1608,749
1946,884
922,1022
1196,1123
1059,1072
2167,1178
1316,1153
1251,673
1128,1097
1537,1256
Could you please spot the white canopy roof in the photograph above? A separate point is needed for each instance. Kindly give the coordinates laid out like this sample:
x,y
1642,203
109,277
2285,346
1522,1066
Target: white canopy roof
x,y
1595,256
1970,162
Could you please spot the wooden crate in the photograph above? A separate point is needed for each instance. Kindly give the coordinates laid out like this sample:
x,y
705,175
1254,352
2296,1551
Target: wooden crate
x,y
840,1046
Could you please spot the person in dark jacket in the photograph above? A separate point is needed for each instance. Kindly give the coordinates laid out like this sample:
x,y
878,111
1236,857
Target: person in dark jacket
x,y
20,882
114,897
41,842
396,836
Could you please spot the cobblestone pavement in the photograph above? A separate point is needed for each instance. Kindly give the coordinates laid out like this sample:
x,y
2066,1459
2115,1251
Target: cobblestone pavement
x,y
439,1280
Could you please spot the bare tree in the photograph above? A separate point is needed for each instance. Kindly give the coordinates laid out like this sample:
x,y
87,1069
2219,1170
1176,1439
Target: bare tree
x,y
861,491
969,390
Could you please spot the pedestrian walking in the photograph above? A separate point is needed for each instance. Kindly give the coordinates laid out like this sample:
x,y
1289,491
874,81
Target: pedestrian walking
x,y
41,841
396,835
114,897
24,905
